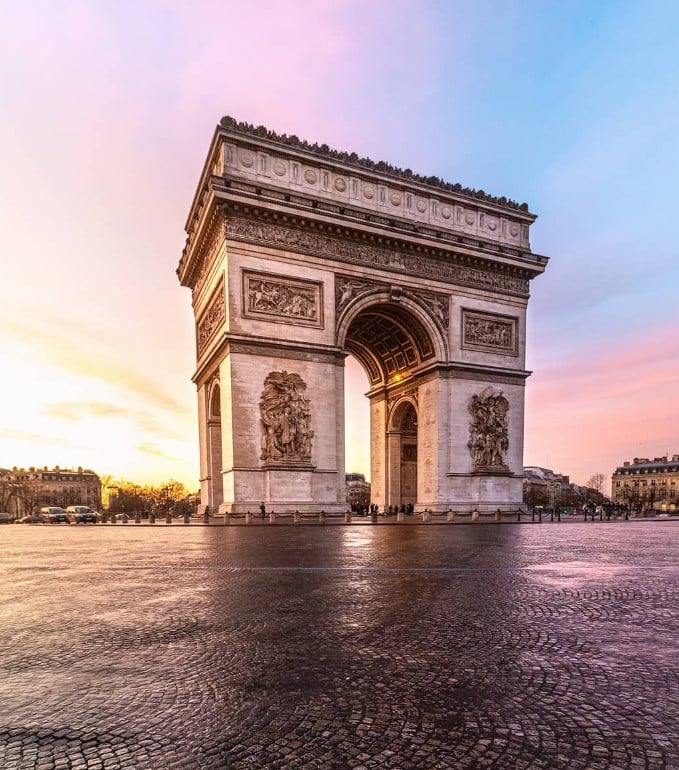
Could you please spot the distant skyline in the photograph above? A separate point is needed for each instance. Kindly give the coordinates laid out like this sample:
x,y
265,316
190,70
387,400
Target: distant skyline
x,y
108,110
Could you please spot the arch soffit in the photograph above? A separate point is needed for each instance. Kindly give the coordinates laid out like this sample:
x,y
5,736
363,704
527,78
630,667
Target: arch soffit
x,y
385,299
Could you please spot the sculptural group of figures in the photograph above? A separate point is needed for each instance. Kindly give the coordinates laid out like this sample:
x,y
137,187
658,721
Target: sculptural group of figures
x,y
277,298
488,432
484,332
286,416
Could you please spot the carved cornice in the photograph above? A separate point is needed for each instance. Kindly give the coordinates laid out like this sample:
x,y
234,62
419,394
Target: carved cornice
x,y
449,268
194,272
352,159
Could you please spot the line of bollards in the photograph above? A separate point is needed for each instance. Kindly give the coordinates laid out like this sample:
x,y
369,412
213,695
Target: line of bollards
x,y
323,518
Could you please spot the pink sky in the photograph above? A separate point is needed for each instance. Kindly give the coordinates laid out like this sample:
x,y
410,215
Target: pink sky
x,y
108,109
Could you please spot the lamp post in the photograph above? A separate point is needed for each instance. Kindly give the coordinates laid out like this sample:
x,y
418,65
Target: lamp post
x,y
166,505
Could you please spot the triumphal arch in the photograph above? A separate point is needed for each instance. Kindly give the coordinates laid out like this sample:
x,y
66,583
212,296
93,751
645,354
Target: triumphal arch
x,y
298,255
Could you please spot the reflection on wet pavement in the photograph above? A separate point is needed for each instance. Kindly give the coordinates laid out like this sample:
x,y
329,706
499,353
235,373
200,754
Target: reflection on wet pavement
x,y
429,647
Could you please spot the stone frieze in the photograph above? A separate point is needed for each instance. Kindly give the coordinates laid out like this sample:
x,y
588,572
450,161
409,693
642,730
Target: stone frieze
x,y
296,239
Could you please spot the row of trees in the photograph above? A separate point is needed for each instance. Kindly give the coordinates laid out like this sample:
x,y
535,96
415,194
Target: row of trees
x,y
29,495
171,497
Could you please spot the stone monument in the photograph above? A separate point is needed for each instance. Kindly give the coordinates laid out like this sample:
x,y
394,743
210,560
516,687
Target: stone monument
x,y
298,255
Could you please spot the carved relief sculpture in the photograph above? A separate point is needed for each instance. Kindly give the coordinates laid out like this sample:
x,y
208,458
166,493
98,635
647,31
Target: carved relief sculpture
x,y
212,320
347,289
286,419
270,235
292,302
488,430
438,306
492,333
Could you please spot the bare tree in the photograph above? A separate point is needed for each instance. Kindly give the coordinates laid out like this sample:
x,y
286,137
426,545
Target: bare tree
x,y
596,481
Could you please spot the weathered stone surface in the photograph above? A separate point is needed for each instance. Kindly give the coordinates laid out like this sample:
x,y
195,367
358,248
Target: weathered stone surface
x,y
296,256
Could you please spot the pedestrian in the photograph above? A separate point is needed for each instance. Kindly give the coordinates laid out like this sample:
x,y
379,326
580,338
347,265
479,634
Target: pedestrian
x,y
262,510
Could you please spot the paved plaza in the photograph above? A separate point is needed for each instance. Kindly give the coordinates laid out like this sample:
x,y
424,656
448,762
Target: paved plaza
x,y
431,647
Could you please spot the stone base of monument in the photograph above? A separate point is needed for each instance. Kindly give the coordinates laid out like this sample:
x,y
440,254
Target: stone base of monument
x,y
491,470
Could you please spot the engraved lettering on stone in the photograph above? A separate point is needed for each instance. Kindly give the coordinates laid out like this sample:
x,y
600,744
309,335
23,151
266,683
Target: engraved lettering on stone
x,y
212,320
488,332
488,429
286,419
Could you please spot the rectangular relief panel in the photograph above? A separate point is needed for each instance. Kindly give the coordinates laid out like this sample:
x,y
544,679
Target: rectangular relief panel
x,y
490,332
212,319
284,300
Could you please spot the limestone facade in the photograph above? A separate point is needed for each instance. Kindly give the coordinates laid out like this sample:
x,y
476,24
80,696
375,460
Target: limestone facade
x,y
646,484
296,256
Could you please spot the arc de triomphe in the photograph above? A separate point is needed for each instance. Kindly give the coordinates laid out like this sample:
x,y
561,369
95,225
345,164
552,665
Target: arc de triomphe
x,y
297,255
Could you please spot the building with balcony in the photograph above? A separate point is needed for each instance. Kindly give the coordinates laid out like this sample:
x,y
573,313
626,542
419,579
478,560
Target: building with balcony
x,y
647,486
26,489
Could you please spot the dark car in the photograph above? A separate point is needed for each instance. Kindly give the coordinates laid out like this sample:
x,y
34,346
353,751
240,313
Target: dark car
x,y
30,519
81,514
53,515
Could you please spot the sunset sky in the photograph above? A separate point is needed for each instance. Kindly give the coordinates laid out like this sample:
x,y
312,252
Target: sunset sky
x,y
106,113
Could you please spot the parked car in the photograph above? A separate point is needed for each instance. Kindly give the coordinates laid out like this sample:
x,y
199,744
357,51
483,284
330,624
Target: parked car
x,y
5,518
31,519
51,514
81,514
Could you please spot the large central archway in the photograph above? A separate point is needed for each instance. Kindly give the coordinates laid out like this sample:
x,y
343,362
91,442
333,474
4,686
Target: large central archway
x,y
296,256
396,343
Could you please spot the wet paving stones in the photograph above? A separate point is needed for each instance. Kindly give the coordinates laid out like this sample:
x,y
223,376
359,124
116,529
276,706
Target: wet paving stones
x,y
419,648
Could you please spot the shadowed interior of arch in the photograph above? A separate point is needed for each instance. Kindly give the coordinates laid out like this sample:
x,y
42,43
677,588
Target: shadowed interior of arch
x,y
388,340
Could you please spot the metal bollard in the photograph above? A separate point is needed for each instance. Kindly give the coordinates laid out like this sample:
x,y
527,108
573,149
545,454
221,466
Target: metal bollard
x,y
425,515
248,518
168,518
187,518
450,516
475,515
321,517
137,517
296,517
373,518
347,517
498,515
152,518
272,517
400,517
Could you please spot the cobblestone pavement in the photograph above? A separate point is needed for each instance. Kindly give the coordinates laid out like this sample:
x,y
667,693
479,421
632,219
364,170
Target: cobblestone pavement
x,y
437,648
